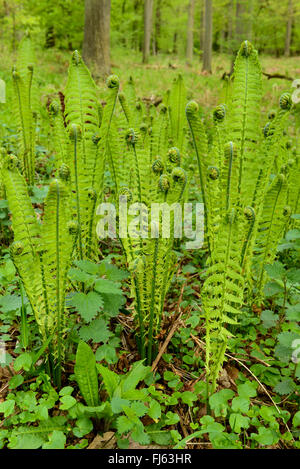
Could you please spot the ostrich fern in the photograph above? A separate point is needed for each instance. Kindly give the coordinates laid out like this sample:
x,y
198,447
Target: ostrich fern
x,y
42,255
244,212
145,170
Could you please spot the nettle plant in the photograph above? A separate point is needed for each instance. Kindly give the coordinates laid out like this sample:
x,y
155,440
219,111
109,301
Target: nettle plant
x,y
246,180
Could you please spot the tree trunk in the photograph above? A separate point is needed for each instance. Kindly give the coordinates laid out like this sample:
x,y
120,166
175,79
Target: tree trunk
x,y
96,43
239,25
148,7
207,46
190,32
288,34
158,25
250,20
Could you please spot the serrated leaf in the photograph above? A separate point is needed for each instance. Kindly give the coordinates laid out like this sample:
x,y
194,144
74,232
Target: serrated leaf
x,y
97,331
87,304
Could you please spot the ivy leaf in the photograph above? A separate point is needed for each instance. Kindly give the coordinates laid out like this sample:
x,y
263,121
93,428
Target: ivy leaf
x,y
87,305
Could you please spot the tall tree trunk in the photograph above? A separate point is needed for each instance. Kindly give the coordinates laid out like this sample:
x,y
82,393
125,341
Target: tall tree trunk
x,y
288,34
148,7
158,25
190,32
230,17
207,46
239,24
250,20
96,43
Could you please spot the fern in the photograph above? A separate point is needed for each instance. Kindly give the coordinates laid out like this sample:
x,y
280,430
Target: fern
x,y
42,255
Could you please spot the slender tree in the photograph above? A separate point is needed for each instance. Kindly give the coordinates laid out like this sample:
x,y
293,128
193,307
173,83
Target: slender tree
x,y
207,46
288,32
148,8
190,31
96,43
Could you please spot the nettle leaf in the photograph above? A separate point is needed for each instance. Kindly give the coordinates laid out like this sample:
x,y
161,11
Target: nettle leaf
x,y
276,271
87,304
293,276
103,285
112,272
87,266
293,312
269,319
112,303
86,374
78,275
124,425
97,331
286,386
272,289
